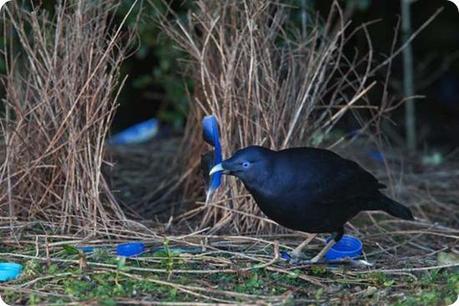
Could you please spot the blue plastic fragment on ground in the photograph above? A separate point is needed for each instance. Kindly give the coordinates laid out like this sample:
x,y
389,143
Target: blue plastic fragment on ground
x,y
86,248
376,155
130,249
285,255
138,133
9,271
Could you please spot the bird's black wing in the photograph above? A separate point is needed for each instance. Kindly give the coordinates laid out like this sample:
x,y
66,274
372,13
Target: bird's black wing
x,y
328,177
351,181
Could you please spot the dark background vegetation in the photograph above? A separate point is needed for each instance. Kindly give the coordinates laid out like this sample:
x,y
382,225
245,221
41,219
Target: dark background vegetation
x,y
156,86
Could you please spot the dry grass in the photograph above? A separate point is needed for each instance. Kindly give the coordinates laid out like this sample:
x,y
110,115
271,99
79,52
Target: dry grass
x,y
61,87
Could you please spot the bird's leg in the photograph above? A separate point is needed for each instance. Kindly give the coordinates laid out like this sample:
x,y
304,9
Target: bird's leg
x,y
335,238
296,253
322,252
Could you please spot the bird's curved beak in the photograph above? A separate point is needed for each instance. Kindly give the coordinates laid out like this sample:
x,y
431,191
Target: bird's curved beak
x,y
217,168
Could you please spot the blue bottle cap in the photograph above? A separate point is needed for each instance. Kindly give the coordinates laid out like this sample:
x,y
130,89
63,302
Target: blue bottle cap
x,y
348,246
130,249
9,271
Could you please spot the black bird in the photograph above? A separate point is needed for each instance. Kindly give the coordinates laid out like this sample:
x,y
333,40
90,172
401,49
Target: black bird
x,y
309,190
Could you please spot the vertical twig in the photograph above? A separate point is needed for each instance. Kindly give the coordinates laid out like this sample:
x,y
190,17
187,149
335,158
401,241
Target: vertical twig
x,y
408,83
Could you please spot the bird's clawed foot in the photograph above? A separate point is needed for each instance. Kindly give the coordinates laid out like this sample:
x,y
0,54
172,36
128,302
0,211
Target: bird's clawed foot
x,y
296,254
315,259
296,257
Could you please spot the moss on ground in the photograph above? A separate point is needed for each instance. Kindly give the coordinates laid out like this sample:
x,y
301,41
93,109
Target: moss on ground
x,y
59,283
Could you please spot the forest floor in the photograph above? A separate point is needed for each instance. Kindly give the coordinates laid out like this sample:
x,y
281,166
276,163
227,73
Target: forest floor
x,y
413,263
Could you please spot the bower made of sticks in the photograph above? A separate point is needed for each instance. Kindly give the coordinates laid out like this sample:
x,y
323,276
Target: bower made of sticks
x,y
268,84
61,86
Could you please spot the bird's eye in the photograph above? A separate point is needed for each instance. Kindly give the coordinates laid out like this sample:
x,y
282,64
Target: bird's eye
x,y
245,164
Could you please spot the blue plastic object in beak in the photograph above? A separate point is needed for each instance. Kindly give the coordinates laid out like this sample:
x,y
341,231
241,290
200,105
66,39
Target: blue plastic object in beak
x,y
211,136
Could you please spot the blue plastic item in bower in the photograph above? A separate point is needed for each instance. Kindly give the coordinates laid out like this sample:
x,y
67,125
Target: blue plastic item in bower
x,y
348,246
137,133
9,271
130,249
376,155
211,136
